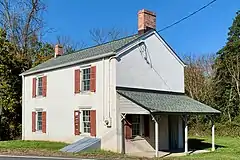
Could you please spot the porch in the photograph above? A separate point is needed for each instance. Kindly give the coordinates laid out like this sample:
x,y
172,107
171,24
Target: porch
x,y
154,123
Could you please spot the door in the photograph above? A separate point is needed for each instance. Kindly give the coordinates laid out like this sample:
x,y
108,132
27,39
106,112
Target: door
x,y
173,132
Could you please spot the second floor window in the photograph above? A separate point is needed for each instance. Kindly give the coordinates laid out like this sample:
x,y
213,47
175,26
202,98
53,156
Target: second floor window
x,y
39,86
86,79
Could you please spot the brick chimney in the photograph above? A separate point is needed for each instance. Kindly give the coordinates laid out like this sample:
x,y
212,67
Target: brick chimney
x,y
58,50
146,21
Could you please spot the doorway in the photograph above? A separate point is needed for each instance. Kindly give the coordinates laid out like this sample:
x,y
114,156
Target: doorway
x,y
173,132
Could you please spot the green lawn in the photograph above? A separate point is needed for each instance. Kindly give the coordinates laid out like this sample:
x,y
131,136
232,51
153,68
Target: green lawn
x,y
19,144
227,148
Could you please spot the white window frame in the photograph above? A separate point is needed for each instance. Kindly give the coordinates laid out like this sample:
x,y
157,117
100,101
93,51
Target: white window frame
x,y
82,80
37,87
82,123
37,110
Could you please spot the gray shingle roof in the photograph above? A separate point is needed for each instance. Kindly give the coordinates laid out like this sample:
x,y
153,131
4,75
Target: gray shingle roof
x,y
165,102
84,54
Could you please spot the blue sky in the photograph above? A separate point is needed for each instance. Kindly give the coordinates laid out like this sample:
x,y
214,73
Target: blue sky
x,y
203,33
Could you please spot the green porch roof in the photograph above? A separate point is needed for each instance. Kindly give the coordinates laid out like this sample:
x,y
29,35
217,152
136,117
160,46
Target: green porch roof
x,y
83,54
165,102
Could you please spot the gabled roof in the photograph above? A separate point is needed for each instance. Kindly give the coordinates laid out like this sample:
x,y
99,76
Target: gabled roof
x,y
165,102
95,51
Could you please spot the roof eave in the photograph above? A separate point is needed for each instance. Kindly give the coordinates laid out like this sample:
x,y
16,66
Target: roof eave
x,y
68,64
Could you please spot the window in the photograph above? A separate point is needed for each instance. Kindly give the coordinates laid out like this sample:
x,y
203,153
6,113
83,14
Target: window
x,y
86,121
86,79
39,86
135,125
39,121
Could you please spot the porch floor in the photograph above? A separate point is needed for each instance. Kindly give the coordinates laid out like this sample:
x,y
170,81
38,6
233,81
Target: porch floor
x,y
151,154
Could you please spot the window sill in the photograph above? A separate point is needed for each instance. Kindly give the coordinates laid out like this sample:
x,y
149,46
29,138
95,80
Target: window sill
x,y
39,97
38,132
85,93
85,135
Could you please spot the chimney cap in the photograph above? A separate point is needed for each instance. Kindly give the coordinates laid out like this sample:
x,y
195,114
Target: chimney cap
x,y
147,11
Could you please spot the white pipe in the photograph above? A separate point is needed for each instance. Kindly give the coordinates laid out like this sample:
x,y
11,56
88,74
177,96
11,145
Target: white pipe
x,y
103,89
109,85
213,137
156,137
186,135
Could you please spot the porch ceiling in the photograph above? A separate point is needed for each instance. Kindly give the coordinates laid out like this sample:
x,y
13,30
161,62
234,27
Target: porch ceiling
x,y
165,102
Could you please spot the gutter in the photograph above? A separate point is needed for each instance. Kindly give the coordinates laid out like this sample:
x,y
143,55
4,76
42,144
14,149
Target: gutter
x,y
68,64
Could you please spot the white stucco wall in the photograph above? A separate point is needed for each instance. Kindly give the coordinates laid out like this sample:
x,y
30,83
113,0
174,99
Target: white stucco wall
x,y
61,102
164,71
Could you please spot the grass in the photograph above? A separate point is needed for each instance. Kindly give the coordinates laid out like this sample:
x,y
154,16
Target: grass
x,y
19,144
226,148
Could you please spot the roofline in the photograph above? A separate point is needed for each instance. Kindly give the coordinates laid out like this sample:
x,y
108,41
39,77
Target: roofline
x,y
148,90
68,64
139,39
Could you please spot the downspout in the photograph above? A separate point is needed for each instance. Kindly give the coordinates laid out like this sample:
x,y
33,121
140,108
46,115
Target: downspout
x,y
23,108
103,89
109,85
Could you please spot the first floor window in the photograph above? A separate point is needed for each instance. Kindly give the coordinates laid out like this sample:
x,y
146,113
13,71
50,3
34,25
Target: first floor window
x,y
86,79
135,125
86,121
39,121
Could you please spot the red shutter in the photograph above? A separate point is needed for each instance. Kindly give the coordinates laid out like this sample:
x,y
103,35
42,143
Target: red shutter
x,y
44,83
76,122
77,81
93,123
33,121
44,122
128,127
34,87
93,79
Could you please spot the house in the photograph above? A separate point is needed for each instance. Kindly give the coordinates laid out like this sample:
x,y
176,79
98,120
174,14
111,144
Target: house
x,y
127,92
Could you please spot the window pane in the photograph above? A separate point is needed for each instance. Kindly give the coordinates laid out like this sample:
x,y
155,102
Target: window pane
x,y
39,121
86,121
135,125
86,79
39,82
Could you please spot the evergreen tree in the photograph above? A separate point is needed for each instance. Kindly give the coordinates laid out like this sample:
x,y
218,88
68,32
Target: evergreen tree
x,y
227,78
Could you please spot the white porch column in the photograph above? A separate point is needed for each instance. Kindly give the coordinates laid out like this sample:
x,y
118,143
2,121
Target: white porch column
x,y
186,135
156,137
213,137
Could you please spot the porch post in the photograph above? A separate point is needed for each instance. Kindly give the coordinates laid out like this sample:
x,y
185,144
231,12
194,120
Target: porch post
x,y
156,137
186,135
213,136
123,134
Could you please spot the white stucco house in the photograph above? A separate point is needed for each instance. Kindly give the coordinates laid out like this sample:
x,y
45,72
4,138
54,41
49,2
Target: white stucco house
x,y
126,92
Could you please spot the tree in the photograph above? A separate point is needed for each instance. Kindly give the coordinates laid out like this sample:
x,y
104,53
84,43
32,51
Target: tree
x,y
100,36
11,65
199,82
22,20
198,77
227,78
43,52
69,46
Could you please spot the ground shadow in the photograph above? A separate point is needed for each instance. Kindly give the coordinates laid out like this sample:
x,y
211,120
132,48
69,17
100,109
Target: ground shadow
x,y
199,144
